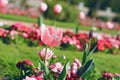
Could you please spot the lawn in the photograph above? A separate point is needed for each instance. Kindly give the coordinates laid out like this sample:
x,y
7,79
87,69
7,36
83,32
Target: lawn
x,y
66,25
10,54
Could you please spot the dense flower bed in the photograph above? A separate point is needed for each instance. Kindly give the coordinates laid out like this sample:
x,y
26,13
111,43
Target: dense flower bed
x,y
100,24
70,40
51,69
103,41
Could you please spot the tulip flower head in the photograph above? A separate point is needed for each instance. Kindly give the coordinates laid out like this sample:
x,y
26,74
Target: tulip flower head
x,y
90,34
3,3
43,6
50,36
77,62
109,25
81,15
57,8
45,54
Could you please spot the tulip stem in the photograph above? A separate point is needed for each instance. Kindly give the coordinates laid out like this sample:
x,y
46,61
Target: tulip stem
x,y
45,54
40,21
89,46
54,23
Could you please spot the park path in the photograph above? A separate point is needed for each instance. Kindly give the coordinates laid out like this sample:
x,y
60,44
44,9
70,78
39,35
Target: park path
x,y
11,22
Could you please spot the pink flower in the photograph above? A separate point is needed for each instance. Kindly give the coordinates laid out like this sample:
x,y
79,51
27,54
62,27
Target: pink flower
x,y
29,78
3,32
57,67
108,75
25,35
3,3
109,25
12,34
81,15
74,67
38,77
116,74
77,62
46,53
66,39
57,8
43,6
28,62
50,36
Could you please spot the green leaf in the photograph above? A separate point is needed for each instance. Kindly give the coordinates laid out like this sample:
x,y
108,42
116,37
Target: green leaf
x,y
45,68
86,69
116,78
64,72
92,50
85,54
18,39
39,66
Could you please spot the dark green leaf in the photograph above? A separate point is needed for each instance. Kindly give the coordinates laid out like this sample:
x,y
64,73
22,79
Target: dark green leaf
x,y
64,72
85,54
92,50
45,68
116,78
86,69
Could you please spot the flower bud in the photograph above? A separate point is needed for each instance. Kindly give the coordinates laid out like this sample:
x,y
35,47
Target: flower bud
x,y
91,34
57,8
43,6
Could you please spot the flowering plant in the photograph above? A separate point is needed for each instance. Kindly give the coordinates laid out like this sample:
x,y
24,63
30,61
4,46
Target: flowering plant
x,y
33,36
49,68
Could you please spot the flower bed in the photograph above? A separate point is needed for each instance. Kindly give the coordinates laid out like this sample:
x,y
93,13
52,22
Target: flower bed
x,y
52,69
103,41
19,32
70,40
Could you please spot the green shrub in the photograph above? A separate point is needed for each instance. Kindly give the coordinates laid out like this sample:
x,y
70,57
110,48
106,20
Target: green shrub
x,y
69,12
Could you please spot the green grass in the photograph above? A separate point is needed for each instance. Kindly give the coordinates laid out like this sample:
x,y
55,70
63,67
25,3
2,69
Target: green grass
x,y
10,54
50,22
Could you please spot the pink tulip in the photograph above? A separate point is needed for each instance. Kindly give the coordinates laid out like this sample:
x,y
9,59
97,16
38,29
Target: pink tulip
x,y
77,62
109,25
50,36
3,3
45,54
43,6
81,15
57,8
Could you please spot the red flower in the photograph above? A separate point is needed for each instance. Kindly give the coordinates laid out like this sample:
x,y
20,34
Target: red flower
x,y
24,64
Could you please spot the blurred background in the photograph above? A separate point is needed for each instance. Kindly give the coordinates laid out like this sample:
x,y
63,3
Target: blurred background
x,y
102,9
